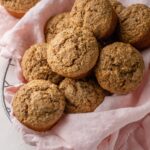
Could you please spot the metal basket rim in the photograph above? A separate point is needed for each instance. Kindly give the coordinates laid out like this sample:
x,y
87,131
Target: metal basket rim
x,y
2,90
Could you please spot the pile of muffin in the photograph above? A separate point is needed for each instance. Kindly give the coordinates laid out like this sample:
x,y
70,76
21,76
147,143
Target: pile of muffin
x,y
89,52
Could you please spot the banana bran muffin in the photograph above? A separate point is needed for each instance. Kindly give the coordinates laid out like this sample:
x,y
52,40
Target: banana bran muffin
x,y
96,15
120,68
81,95
34,64
56,24
73,53
38,104
134,26
18,8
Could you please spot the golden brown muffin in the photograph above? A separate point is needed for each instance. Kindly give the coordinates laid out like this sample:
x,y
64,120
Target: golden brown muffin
x,y
38,105
73,53
96,15
120,68
34,64
81,95
56,24
134,26
18,8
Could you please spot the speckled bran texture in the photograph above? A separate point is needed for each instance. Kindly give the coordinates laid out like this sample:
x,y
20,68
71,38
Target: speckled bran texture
x,y
34,64
56,24
117,6
81,95
120,68
73,53
38,105
134,26
96,15
18,6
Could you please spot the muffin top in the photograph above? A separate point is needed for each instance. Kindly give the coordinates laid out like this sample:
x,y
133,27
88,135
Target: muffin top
x,y
81,95
34,64
134,25
56,24
120,68
38,105
73,52
96,15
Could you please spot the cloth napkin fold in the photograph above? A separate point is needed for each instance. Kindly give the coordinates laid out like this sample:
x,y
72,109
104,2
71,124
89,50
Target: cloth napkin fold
x,y
119,123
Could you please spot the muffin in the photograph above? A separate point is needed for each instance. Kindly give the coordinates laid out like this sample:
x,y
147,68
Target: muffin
x,y
120,68
38,105
96,15
134,26
18,8
56,24
81,95
73,53
34,64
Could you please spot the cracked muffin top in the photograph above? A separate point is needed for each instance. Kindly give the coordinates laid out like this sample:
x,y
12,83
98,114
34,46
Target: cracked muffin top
x,y
38,105
120,68
96,15
56,24
73,52
81,95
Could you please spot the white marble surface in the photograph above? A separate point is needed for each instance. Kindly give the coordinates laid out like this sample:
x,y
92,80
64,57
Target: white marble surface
x,y
10,139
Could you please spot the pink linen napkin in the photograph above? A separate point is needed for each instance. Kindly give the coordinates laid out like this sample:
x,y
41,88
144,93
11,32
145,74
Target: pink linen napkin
x,y
6,21
119,123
